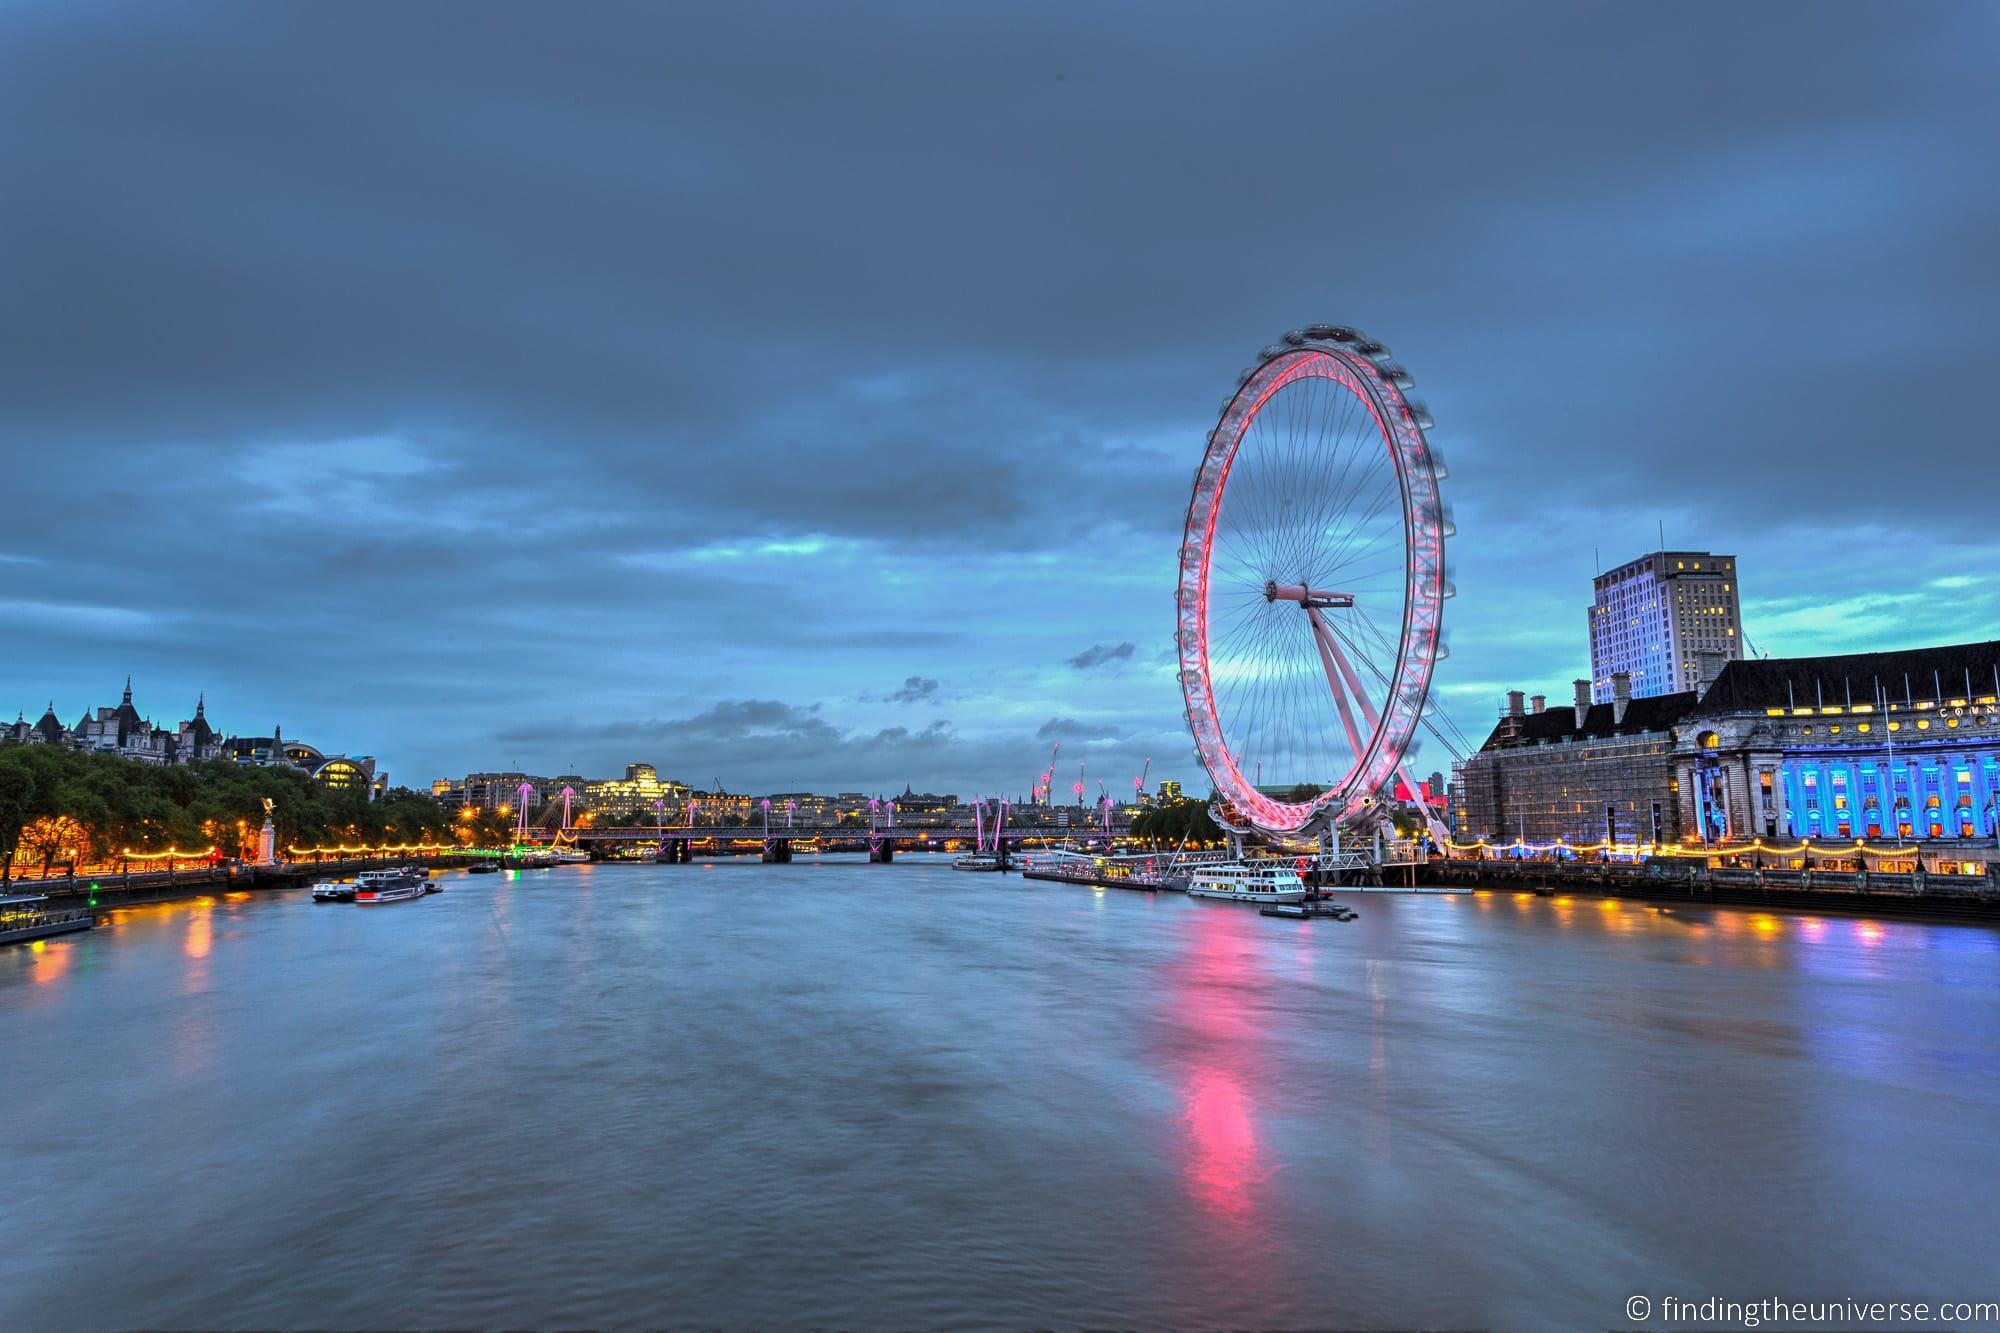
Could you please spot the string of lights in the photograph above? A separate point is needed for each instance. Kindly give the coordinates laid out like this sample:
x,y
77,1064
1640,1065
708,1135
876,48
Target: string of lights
x,y
380,850
1755,846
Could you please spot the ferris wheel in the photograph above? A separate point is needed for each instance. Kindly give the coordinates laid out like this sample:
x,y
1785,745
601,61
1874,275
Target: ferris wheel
x,y
1312,585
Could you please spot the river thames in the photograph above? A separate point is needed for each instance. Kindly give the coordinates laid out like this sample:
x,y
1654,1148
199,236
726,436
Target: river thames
x,y
837,1094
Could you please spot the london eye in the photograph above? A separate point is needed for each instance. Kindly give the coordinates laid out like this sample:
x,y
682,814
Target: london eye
x,y
1312,585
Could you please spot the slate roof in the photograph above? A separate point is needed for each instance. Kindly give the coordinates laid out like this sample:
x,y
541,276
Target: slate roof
x,y
1954,671
1654,712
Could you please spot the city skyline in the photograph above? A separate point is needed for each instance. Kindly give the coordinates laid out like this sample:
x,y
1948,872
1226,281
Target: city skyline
x,y
453,439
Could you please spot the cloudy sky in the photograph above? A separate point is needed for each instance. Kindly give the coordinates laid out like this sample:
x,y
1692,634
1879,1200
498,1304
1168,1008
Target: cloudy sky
x,y
806,396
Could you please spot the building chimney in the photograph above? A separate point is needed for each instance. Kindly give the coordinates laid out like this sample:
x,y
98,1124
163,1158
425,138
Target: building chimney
x,y
1621,696
1708,665
1538,703
1582,703
1516,703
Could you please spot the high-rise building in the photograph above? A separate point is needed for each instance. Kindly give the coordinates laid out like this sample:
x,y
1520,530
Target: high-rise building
x,y
1658,617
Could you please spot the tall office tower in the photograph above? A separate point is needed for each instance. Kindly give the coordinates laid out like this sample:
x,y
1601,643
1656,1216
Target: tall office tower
x,y
1661,619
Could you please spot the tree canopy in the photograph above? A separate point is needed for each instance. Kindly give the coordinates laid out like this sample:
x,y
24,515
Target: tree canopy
x,y
59,805
1176,822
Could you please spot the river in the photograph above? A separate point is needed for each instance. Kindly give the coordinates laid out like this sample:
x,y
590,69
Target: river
x,y
838,1094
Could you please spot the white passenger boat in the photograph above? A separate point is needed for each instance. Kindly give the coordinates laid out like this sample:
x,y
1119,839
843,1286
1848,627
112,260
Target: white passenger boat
x,y
976,861
333,891
1248,882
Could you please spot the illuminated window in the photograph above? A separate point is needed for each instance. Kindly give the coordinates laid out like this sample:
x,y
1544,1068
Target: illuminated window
x,y
1923,724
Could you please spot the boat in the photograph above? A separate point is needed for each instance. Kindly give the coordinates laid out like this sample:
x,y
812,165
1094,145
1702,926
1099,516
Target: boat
x,y
1061,861
29,917
333,891
977,861
392,887
416,872
483,868
570,858
1248,882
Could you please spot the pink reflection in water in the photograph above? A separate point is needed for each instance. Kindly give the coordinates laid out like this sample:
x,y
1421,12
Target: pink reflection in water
x,y
1223,1163
1223,1065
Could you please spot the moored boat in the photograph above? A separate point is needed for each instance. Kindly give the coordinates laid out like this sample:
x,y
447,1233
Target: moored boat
x,y
29,917
1060,861
333,891
976,861
399,889
1248,882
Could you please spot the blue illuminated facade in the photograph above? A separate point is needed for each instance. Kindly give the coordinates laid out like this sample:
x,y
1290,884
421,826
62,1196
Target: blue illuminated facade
x,y
1869,746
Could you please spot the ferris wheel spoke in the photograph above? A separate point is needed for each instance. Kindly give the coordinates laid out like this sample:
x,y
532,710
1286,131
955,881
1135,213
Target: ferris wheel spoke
x,y
1379,503
1328,485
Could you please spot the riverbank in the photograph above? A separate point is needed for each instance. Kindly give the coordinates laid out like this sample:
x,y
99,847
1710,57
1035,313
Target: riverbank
x,y
165,886
1903,896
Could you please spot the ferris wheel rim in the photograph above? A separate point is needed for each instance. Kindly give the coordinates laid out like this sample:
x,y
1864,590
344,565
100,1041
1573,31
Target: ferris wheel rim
x,y
1363,368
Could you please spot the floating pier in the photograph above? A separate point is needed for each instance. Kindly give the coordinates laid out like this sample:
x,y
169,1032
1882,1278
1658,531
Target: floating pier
x,y
1309,911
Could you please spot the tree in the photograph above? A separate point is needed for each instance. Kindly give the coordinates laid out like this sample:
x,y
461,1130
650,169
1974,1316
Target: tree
x,y
1177,822
57,838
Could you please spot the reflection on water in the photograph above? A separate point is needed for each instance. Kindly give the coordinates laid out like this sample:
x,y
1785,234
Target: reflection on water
x,y
835,1094
1214,993
49,959
201,928
1222,1133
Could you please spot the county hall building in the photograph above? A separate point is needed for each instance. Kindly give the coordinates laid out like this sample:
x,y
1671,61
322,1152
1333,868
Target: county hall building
x,y
1895,745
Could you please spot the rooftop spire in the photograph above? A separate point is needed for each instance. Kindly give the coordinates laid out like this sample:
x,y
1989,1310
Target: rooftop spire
x,y
200,702
128,689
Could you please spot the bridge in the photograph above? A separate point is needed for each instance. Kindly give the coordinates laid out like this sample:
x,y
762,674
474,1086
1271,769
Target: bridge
x,y
675,843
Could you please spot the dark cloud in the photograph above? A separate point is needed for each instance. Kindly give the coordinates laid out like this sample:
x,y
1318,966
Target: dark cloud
x,y
915,689
417,372
1074,732
765,745
1099,653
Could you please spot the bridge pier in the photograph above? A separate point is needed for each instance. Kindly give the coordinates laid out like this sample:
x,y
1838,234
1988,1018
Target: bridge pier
x,y
777,851
881,851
